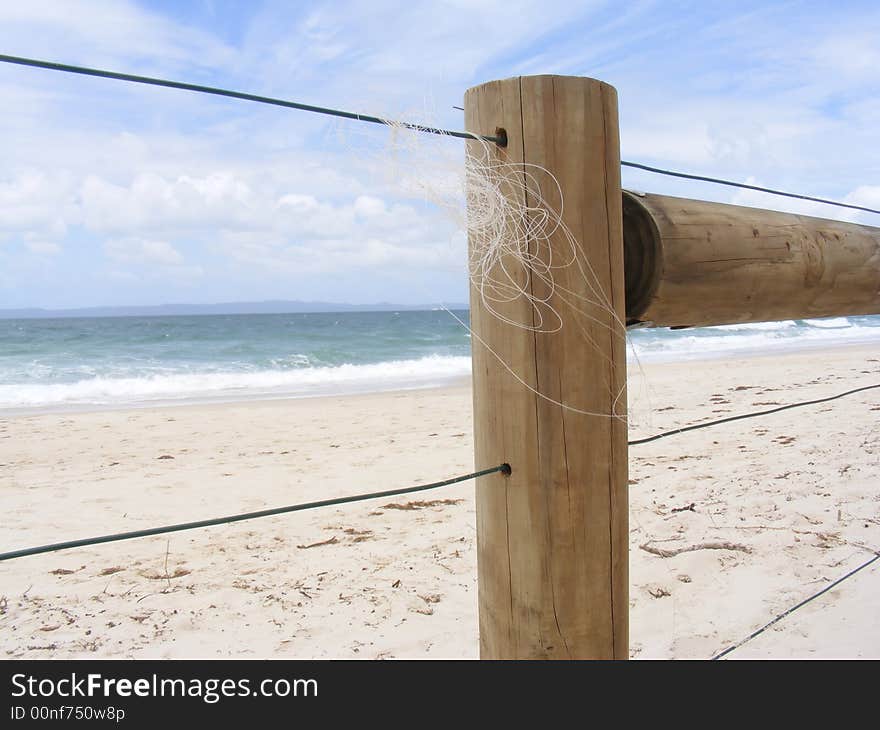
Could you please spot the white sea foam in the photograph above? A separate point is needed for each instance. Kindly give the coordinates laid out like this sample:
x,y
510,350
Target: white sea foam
x,y
748,339
829,323
771,326
423,372
128,381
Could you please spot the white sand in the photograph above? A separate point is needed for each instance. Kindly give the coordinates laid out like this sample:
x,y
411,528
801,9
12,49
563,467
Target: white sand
x,y
799,489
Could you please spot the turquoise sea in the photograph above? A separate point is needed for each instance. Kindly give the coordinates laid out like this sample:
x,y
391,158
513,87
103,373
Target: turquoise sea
x,y
50,364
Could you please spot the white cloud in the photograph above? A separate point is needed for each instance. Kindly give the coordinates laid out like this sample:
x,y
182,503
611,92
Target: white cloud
x,y
102,31
402,55
866,195
37,201
369,206
146,176
43,248
279,258
142,251
151,202
854,53
299,203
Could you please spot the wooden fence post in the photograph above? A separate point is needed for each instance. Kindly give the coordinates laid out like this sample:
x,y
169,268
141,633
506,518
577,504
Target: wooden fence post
x,y
553,536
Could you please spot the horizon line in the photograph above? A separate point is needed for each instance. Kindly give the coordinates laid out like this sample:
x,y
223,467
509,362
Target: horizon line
x,y
268,306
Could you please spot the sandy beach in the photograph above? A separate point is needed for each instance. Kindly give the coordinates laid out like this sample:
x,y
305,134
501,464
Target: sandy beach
x,y
796,493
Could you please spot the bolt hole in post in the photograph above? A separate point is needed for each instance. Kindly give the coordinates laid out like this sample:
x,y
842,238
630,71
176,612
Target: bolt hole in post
x,y
501,135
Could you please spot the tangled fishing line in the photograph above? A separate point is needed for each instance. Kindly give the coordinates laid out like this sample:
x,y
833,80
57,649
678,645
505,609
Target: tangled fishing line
x,y
519,244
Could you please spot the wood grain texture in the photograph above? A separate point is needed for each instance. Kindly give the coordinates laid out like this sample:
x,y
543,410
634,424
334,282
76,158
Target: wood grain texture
x,y
553,536
716,264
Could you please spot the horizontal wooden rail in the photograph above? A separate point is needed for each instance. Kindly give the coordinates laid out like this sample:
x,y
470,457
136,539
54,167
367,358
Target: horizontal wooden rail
x,y
692,263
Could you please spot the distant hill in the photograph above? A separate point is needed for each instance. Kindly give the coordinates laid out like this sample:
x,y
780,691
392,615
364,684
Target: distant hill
x,y
270,307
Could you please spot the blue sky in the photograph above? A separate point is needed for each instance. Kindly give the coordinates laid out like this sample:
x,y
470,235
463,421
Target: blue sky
x,y
120,194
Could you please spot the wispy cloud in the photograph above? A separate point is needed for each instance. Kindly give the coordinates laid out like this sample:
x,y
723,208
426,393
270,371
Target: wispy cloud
x,y
124,184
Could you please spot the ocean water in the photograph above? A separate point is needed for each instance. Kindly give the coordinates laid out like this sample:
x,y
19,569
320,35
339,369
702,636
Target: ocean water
x,y
50,364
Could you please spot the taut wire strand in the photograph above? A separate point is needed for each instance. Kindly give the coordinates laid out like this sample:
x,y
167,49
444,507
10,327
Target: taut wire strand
x,y
746,186
84,71
503,468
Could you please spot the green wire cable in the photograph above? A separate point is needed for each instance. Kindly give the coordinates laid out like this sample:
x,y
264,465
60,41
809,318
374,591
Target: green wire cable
x,y
503,468
84,71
